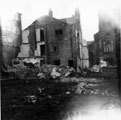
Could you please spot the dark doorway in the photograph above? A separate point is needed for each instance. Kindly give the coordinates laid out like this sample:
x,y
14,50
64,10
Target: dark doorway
x,y
70,63
42,50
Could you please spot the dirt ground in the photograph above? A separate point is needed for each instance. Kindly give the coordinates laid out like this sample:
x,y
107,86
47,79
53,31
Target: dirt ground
x,y
55,100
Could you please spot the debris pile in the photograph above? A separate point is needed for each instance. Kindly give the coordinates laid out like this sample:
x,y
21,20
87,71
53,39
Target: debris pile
x,y
98,68
31,69
56,72
25,70
45,71
92,86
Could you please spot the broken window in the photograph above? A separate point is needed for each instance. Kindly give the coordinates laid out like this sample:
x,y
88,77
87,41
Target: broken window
x,y
42,35
56,62
108,44
54,49
104,47
78,35
70,63
58,32
42,50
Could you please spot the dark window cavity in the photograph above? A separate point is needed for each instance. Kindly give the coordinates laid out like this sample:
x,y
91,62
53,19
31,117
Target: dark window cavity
x,y
70,63
54,49
77,35
56,62
42,50
58,32
42,37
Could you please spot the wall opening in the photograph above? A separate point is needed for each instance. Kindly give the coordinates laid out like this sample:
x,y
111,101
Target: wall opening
x,y
58,31
78,35
71,63
42,37
56,62
55,49
42,50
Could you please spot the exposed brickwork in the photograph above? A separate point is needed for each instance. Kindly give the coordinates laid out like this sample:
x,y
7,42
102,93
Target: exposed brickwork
x,y
60,37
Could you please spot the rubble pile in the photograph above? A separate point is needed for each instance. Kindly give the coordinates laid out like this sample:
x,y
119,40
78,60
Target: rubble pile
x,y
56,72
92,86
31,69
25,70
45,70
63,74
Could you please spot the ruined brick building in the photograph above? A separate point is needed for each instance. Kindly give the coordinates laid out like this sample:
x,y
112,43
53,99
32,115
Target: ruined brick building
x,y
105,40
11,36
54,41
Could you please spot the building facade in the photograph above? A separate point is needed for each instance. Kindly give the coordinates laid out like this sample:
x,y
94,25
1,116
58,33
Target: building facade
x,y
105,40
11,36
53,41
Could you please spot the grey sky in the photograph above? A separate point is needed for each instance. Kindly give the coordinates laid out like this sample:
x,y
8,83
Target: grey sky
x,y
33,9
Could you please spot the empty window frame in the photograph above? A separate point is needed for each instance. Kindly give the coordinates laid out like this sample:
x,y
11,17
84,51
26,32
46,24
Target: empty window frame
x,y
54,48
70,63
56,62
42,37
78,35
42,50
58,32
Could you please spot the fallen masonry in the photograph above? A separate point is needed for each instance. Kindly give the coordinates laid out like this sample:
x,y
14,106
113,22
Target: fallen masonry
x,y
42,92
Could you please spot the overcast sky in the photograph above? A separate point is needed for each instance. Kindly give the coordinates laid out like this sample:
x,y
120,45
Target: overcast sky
x,y
33,9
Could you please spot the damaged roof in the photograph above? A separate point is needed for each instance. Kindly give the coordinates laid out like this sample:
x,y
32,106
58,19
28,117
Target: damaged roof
x,y
48,20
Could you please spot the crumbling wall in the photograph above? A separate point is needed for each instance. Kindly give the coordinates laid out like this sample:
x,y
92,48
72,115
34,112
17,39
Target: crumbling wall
x,y
11,37
32,39
25,46
62,40
25,50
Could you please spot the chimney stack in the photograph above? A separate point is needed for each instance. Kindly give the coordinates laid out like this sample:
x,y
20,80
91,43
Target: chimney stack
x,y
77,13
50,13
